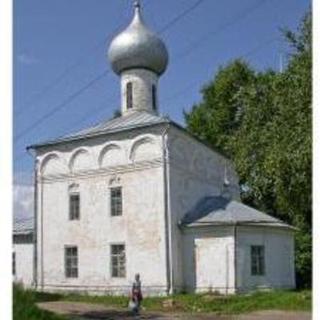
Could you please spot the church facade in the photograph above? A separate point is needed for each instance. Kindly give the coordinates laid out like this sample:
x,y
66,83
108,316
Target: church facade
x,y
139,194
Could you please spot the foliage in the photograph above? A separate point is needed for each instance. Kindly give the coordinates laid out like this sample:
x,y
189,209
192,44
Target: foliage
x,y
24,306
262,120
218,116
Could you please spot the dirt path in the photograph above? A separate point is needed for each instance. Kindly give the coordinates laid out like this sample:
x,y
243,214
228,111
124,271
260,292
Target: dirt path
x,y
86,311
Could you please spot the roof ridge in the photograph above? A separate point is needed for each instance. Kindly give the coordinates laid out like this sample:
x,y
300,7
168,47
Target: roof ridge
x,y
217,209
135,119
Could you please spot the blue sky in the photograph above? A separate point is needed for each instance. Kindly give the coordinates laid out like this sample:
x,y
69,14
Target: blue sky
x,y
68,41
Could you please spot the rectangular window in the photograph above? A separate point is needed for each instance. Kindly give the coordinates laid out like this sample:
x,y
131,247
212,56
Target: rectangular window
x,y
74,206
71,262
129,95
154,97
14,263
116,201
257,261
118,261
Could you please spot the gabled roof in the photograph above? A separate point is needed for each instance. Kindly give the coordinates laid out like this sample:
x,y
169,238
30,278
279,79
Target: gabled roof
x,y
217,210
23,226
132,120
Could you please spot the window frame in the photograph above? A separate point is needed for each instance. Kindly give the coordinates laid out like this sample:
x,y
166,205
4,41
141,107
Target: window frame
x,y
119,273
72,271
74,215
129,95
258,260
116,205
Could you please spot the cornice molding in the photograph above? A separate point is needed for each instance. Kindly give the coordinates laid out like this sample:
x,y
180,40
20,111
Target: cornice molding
x,y
103,172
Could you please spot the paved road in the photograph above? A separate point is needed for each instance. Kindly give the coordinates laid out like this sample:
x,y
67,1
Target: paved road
x,y
85,311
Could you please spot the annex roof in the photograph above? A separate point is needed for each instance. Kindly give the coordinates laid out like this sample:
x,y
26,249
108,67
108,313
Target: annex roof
x,y
217,210
133,120
23,226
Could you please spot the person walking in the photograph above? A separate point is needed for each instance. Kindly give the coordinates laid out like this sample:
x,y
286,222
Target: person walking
x,y
136,294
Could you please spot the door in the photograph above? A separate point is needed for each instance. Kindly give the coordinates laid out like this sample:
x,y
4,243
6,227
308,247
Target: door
x,y
211,264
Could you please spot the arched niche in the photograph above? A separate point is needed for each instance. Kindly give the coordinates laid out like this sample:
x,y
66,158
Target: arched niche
x,y
53,164
111,155
145,148
80,160
73,188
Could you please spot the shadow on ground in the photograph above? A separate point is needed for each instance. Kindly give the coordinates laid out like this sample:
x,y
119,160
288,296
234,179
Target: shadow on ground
x,y
84,311
111,315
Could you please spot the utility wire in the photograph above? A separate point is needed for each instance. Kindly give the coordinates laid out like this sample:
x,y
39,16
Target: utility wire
x,y
240,16
61,77
60,106
203,40
162,30
259,46
73,96
180,16
52,84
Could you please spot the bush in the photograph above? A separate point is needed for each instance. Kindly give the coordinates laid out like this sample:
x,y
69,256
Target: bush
x,y
24,306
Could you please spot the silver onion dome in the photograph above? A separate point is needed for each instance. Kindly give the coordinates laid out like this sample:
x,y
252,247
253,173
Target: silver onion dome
x,y
138,47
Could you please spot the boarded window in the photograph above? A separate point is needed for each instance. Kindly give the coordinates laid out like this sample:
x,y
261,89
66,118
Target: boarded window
x,y
257,261
118,261
23,238
74,206
14,263
129,95
154,97
116,201
71,262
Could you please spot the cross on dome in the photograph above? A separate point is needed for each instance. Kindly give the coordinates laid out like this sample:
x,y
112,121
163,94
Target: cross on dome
x,y
137,4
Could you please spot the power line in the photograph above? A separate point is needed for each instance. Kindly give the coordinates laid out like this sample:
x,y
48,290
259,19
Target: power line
x,y
180,16
246,54
68,70
60,106
73,96
173,21
166,27
259,46
52,84
88,115
243,14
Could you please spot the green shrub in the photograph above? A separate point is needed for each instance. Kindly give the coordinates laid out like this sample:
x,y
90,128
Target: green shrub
x,y
24,306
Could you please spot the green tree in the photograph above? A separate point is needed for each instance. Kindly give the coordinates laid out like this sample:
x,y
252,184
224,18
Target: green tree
x,y
218,115
263,122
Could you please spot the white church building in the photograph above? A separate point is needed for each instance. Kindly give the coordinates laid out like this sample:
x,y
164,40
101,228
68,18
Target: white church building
x,y
139,194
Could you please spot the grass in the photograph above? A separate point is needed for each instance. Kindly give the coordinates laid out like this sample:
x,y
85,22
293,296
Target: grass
x,y
273,300
24,306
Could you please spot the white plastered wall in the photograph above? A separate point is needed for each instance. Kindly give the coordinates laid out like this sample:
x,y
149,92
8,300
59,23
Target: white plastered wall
x,y
279,257
24,263
140,228
195,171
208,259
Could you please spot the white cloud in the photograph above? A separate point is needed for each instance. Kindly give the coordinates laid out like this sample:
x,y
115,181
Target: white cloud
x,y
22,196
27,59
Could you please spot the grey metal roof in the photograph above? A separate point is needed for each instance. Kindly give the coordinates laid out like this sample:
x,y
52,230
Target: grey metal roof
x,y
133,120
217,210
23,226
138,47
